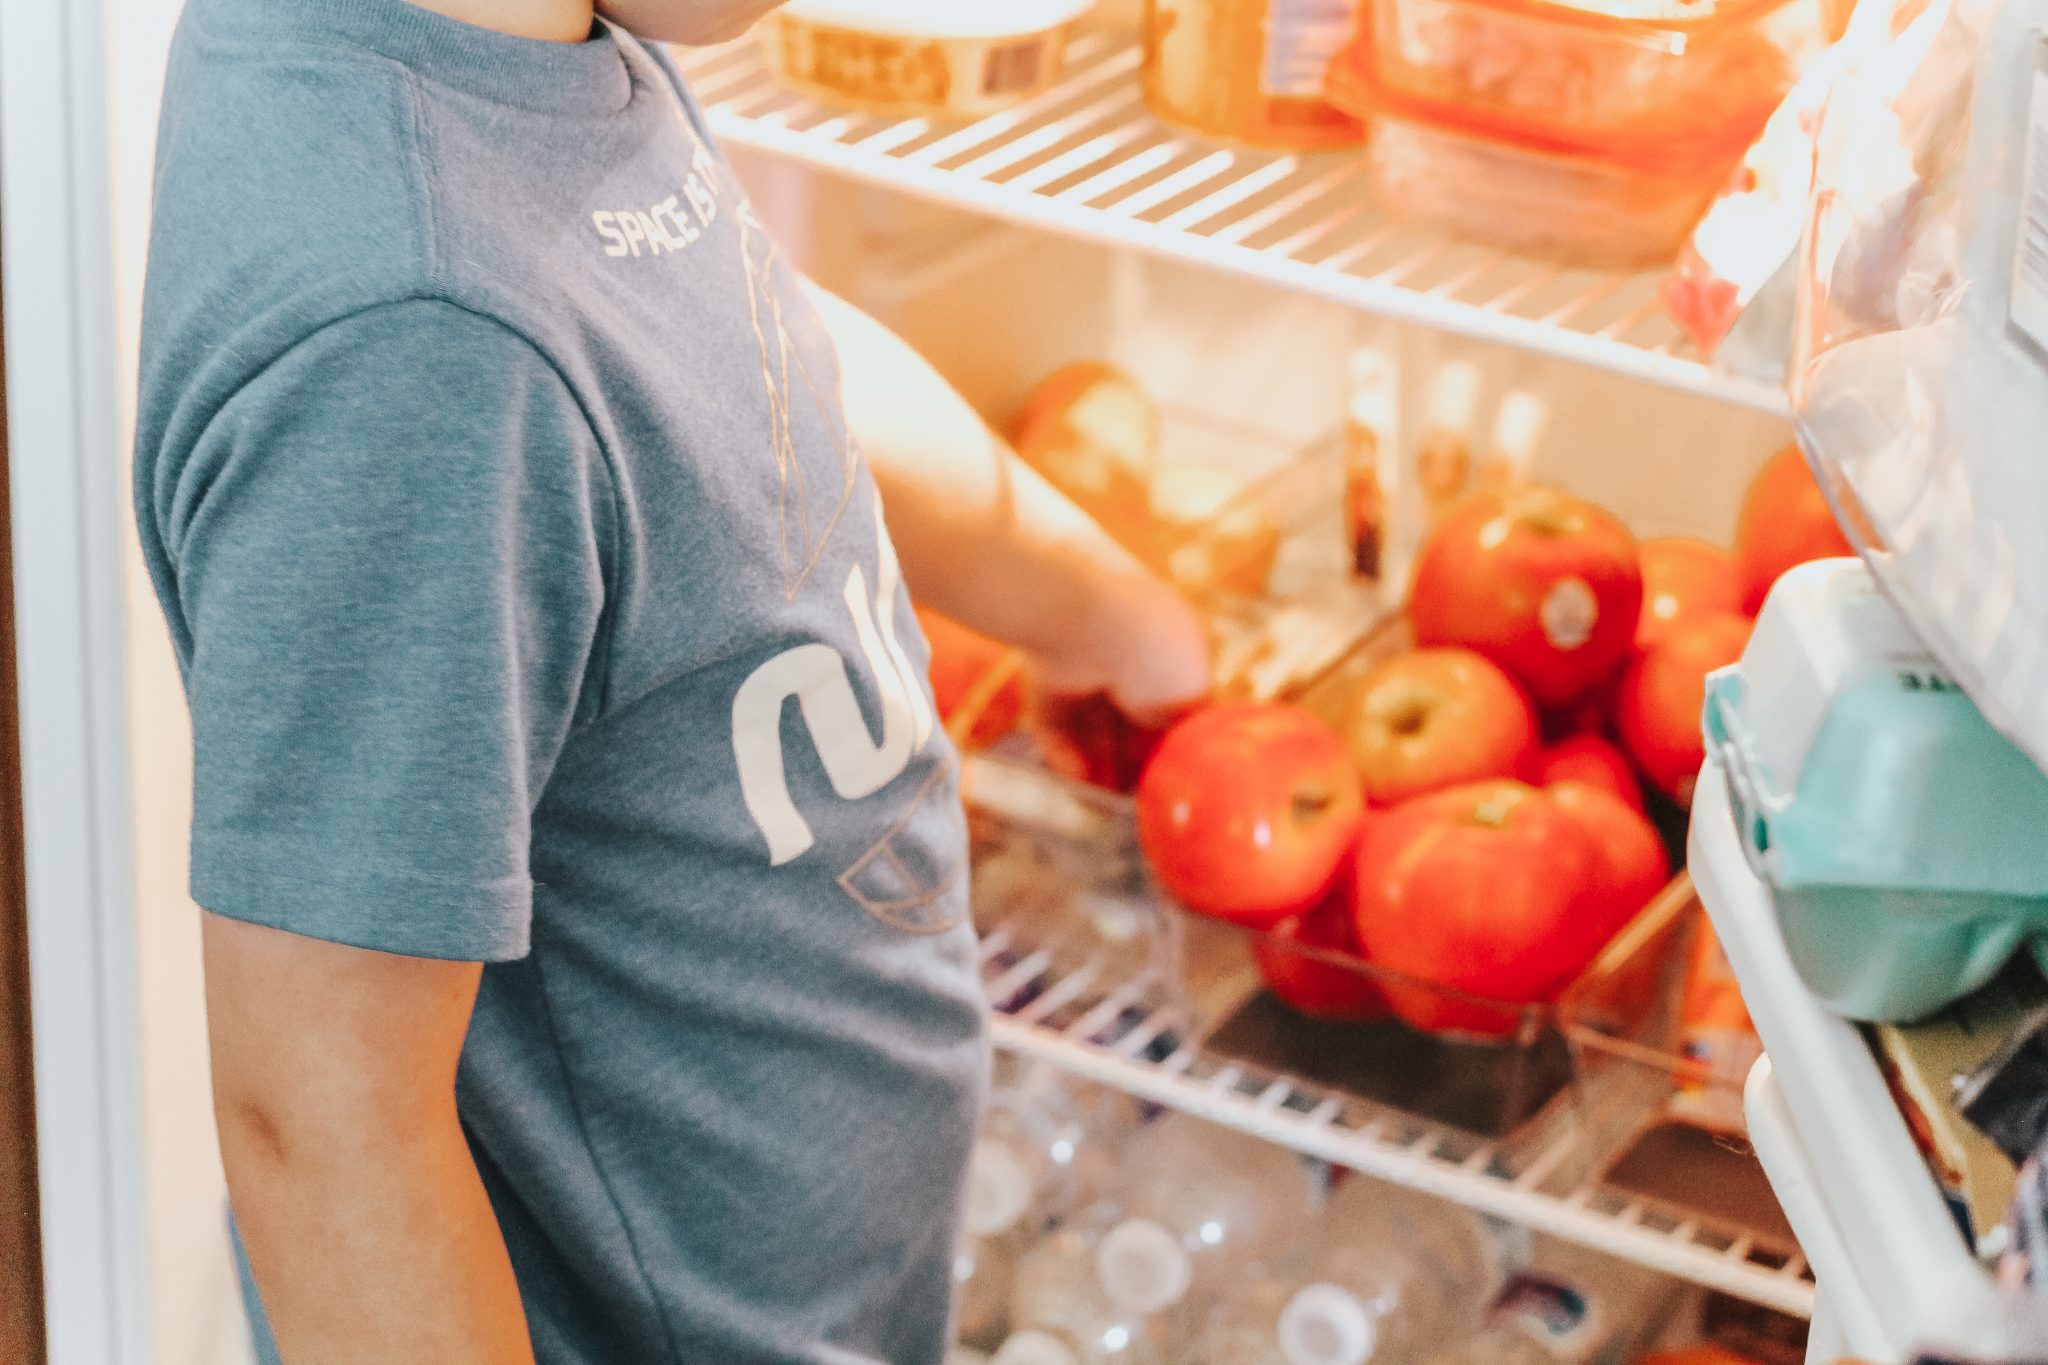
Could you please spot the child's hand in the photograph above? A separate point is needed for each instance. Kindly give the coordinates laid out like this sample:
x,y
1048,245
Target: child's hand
x,y
1144,647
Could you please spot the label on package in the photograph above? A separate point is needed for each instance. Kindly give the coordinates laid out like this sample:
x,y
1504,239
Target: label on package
x,y
1015,68
1559,1315
875,67
1302,38
2028,311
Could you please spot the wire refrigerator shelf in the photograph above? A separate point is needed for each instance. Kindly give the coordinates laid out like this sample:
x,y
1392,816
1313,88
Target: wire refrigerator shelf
x,y
1087,160
1104,1020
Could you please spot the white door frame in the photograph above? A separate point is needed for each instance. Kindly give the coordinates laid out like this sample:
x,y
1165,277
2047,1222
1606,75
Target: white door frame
x,y
57,271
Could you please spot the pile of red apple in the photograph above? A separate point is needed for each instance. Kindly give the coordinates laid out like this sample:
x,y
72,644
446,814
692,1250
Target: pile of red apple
x,y
1470,821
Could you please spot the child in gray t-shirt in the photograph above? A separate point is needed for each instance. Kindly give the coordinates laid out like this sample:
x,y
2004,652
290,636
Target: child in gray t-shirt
x,y
518,516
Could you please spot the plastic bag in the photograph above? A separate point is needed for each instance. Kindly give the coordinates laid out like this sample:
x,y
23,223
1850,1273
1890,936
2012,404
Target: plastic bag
x,y
1732,290
1920,365
1735,284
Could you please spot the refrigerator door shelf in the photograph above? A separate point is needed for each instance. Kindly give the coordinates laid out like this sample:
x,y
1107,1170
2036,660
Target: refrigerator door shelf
x,y
1903,1248
1894,825
1844,1322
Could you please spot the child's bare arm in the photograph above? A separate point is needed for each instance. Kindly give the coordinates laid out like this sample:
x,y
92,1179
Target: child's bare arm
x,y
987,541
334,1085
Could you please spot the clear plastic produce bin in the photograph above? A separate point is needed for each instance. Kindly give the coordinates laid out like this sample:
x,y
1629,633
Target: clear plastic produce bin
x,y
1250,527
1251,530
1688,1148
1061,892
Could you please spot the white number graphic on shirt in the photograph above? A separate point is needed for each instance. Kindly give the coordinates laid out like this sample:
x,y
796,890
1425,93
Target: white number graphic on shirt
x,y
817,676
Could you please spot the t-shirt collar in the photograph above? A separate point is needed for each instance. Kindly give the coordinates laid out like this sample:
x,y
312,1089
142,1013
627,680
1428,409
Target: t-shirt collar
x,y
528,73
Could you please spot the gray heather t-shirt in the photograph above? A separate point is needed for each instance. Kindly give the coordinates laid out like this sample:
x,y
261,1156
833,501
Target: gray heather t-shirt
x,y
535,608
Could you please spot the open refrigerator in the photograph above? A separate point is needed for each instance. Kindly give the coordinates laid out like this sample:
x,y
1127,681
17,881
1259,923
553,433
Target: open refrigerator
x,y
1239,286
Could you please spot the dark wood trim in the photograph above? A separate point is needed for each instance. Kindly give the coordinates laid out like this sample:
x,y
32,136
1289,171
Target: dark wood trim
x,y
21,1260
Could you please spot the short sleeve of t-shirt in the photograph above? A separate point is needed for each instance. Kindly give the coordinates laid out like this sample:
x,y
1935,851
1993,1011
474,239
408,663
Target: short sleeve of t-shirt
x,y
389,555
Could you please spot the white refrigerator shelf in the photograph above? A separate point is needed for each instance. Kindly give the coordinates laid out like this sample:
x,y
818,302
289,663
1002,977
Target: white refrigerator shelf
x,y
1106,1021
1087,160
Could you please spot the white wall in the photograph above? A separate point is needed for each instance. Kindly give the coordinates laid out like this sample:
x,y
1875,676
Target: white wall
x,y
192,1305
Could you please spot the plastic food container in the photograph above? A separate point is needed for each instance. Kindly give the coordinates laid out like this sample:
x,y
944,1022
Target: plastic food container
x,y
921,58
1250,71
1578,111
1900,834
1535,202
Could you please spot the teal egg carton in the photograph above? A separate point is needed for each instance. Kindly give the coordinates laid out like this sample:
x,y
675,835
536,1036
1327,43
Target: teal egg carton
x,y
1905,841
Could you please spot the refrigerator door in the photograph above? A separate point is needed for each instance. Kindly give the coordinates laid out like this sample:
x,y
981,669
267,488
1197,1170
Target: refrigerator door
x,y
1861,1170
1844,1322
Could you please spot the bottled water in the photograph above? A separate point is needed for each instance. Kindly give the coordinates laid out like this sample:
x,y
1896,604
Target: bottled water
x,y
1044,1148
1571,1307
1047,1145
1034,1348
1072,1292
1432,1265
1394,1275
1205,1208
1244,1328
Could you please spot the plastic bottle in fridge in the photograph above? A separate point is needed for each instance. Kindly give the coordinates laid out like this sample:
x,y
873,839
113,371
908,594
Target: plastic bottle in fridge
x,y
1371,476
1071,1294
1203,1207
1045,1147
1443,447
1048,1143
1243,1328
1570,1307
1032,1347
1394,1275
1517,434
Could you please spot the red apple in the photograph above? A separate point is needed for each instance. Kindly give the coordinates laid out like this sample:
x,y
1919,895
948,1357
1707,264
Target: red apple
x,y
1785,522
1309,982
1657,709
1634,865
1434,719
1684,578
1547,586
1248,810
971,672
1588,759
1491,892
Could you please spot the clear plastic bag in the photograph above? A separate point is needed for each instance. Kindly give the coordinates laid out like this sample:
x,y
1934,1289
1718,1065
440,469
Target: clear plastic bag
x,y
1920,366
